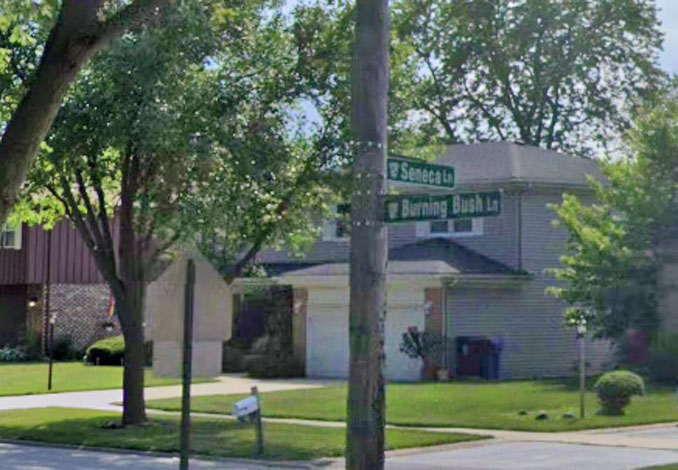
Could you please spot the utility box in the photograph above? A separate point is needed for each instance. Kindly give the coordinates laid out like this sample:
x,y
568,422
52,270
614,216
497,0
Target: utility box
x,y
164,313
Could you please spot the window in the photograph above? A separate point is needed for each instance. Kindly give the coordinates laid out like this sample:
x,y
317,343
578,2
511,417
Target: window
x,y
339,226
10,237
450,228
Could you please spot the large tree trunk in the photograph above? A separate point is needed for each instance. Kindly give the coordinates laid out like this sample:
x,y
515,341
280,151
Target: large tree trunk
x,y
62,60
366,396
134,408
132,264
76,37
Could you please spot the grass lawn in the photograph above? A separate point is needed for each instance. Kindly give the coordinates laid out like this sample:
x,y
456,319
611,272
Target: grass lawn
x,y
30,379
215,437
673,466
463,404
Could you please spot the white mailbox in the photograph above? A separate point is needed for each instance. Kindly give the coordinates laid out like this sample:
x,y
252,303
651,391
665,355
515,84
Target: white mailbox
x,y
245,407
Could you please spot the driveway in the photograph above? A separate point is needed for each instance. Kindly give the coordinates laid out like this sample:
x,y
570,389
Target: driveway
x,y
534,456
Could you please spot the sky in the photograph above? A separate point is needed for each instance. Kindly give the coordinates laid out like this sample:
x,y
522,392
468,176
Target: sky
x,y
668,15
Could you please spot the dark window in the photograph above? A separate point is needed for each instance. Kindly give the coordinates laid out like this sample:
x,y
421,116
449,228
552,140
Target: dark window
x,y
439,226
463,225
343,225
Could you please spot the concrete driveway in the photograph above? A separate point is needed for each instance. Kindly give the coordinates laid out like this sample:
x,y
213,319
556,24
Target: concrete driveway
x,y
534,456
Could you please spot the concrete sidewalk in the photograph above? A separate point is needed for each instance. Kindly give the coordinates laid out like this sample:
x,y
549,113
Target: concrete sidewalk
x,y
104,399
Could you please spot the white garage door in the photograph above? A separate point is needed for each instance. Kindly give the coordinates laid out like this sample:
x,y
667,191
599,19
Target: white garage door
x,y
327,341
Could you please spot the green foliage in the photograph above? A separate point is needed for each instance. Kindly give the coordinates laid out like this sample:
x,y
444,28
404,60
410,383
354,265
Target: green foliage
x,y
268,366
418,344
109,351
558,74
615,390
614,247
64,349
33,344
13,354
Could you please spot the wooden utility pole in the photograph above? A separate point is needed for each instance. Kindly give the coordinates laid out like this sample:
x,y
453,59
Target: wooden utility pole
x,y
366,396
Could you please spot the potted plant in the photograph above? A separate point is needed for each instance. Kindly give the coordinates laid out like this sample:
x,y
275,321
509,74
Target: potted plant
x,y
424,346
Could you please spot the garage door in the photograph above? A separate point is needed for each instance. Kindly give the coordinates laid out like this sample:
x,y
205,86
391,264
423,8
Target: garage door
x,y
327,341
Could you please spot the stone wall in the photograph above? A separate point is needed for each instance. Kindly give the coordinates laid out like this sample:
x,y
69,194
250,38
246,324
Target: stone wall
x,y
81,311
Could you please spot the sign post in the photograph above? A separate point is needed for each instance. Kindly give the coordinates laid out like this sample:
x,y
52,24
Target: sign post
x,y
409,208
185,440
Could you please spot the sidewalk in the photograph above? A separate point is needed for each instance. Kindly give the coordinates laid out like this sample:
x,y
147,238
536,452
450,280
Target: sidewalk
x,y
104,399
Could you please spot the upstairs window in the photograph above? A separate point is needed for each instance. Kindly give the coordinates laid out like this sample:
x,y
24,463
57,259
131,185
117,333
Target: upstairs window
x,y
338,227
450,228
10,237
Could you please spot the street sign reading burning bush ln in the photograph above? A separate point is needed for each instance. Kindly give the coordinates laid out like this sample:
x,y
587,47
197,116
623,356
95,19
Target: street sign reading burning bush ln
x,y
452,206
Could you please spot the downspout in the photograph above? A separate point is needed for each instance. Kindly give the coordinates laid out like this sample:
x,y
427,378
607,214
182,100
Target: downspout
x,y
520,230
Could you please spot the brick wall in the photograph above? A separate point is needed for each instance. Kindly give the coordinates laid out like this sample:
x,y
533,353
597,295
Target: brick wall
x,y
81,310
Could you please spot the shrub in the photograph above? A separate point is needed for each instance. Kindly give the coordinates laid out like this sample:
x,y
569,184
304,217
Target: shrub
x,y
33,344
64,350
418,344
109,351
615,390
10,354
232,359
270,367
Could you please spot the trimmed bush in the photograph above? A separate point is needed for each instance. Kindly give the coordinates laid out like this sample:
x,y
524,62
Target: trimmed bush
x,y
107,352
10,354
615,390
64,349
232,359
266,366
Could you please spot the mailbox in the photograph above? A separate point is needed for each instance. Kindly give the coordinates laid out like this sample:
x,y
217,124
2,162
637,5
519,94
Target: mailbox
x,y
246,407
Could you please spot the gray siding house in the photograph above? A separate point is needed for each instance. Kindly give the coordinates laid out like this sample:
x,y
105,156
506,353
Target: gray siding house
x,y
479,282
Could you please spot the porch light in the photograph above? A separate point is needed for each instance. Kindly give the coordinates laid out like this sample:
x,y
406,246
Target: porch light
x,y
32,302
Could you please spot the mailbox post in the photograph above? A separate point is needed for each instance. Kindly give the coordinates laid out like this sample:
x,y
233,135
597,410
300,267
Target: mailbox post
x,y
250,407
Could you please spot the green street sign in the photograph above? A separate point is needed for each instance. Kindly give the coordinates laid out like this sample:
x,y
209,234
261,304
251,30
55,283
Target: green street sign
x,y
451,206
408,171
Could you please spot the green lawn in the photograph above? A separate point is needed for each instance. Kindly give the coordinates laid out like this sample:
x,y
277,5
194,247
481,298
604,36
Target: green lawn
x,y
216,437
673,466
463,404
30,379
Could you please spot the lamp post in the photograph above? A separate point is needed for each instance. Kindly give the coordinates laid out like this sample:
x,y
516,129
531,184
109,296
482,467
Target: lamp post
x,y
581,334
52,321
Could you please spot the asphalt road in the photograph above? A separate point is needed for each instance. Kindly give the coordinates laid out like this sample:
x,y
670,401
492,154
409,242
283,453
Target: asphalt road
x,y
494,456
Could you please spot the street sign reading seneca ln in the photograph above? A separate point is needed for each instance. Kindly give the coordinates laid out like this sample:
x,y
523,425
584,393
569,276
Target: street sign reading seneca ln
x,y
408,171
452,206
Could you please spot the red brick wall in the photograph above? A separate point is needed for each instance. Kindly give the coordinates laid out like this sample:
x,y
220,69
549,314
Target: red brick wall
x,y
81,310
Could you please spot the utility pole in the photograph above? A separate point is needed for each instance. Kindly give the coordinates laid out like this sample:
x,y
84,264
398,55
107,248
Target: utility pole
x,y
369,244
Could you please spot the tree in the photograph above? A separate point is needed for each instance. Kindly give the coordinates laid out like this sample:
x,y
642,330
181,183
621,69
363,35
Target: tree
x,y
368,254
169,148
559,74
79,29
616,244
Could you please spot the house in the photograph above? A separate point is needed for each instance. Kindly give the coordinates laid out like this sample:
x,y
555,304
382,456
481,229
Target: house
x,y
479,282
40,268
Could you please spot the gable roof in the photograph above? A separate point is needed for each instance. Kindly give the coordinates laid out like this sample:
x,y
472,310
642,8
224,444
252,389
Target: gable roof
x,y
507,162
438,256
